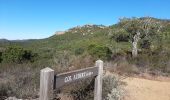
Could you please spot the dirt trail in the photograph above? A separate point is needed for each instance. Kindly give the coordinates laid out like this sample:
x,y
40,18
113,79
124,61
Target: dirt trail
x,y
144,89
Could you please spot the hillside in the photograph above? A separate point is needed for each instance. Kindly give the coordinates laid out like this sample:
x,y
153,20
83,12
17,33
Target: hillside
x,y
80,47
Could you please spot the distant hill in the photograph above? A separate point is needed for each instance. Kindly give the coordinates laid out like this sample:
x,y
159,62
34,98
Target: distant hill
x,y
3,40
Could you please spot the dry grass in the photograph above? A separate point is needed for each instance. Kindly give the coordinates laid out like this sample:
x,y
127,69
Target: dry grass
x,y
21,81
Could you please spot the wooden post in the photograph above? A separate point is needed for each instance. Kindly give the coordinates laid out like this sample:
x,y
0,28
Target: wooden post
x,y
46,84
98,81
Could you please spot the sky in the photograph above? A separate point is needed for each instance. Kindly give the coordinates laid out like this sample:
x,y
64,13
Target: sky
x,y
35,19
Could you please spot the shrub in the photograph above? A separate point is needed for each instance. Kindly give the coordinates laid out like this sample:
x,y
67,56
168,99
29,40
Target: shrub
x,y
125,67
79,90
13,54
99,52
63,60
121,37
79,51
0,57
17,55
111,88
4,90
114,95
145,44
160,61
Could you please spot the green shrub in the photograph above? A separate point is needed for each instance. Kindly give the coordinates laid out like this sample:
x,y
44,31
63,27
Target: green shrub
x,y
13,54
17,55
79,51
29,56
0,57
145,43
99,52
121,37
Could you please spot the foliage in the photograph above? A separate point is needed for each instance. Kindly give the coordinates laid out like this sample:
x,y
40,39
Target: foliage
x,y
146,26
140,28
121,36
79,51
99,52
17,55
145,43
114,95
111,89
0,57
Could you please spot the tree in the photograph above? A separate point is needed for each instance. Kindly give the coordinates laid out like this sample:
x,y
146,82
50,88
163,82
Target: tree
x,y
139,28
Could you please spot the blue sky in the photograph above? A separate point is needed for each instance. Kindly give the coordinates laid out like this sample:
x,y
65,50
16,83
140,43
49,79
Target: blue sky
x,y
27,19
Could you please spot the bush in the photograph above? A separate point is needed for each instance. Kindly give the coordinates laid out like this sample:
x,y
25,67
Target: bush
x,y
111,88
145,44
125,67
79,51
17,55
121,37
99,52
4,90
62,59
0,57
160,61
152,61
114,95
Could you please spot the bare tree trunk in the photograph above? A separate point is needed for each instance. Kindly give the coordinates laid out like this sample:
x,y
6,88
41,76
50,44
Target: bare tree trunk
x,y
135,44
134,49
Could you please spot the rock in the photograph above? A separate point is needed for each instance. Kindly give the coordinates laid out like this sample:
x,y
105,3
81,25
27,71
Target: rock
x,y
59,32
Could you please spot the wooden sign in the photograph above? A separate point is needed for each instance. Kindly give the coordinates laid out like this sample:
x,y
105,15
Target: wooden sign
x,y
49,81
76,75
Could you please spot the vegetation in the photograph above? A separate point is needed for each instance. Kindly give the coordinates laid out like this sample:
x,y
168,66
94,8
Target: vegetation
x,y
99,52
140,28
17,55
0,57
111,88
132,46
